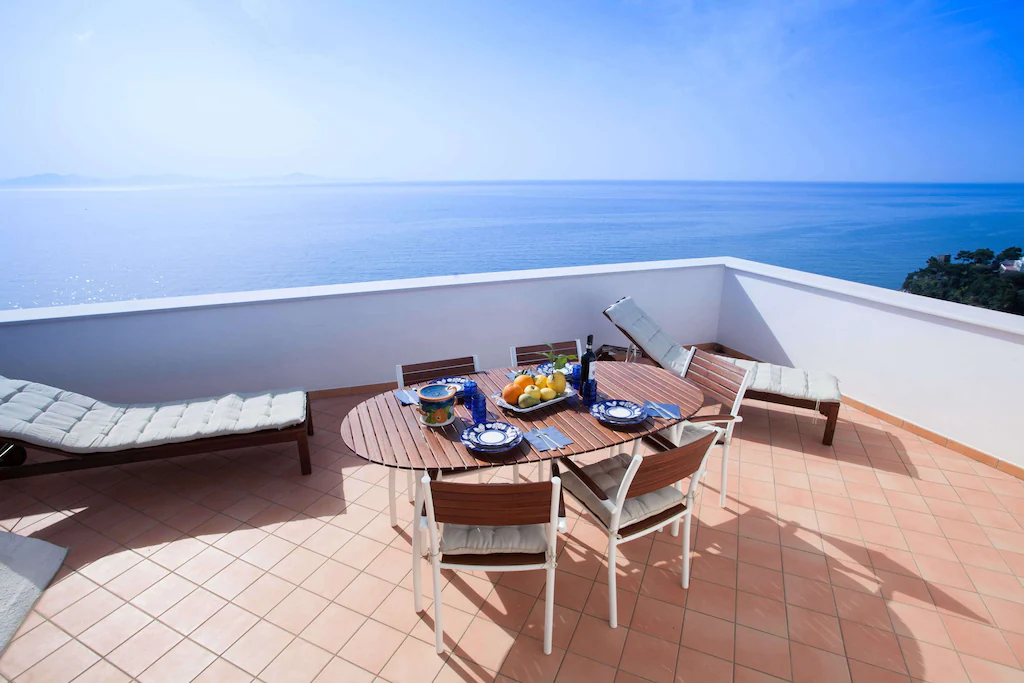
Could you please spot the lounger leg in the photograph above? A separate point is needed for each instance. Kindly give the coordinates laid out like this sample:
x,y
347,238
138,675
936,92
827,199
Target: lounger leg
x,y
686,547
831,412
391,497
725,473
304,465
309,417
613,610
417,554
549,609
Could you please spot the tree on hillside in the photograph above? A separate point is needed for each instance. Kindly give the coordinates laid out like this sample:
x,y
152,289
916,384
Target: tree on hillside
x,y
975,281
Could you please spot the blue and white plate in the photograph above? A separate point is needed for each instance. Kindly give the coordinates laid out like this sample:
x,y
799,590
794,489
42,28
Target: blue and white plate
x,y
619,412
548,368
492,437
459,382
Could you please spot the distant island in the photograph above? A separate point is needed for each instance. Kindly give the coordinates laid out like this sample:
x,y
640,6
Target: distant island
x,y
977,278
55,181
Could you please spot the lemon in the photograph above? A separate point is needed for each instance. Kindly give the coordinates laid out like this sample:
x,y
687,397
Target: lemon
x,y
547,393
541,381
557,382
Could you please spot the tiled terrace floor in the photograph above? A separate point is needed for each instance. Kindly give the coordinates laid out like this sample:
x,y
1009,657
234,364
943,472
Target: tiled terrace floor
x,y
882,558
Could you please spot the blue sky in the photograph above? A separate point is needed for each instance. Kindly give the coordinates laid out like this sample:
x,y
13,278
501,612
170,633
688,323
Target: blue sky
x,y
864,90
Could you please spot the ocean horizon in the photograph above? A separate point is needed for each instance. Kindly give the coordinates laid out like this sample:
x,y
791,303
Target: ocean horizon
x,y
67,246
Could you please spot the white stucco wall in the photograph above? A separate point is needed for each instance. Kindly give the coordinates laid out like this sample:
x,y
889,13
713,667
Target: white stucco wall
x,y
338,336
949,368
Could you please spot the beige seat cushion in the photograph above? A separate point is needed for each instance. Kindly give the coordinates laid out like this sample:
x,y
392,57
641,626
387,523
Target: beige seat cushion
x,y
608,475
810,385
459,539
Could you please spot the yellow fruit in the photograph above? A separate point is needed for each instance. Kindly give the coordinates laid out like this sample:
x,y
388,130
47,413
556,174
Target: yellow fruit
x,y
511,393
532,390
523,381
541,381
547,393
557,382
527,401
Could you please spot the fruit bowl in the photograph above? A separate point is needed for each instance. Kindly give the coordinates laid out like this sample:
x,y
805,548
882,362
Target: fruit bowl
x,y
502,403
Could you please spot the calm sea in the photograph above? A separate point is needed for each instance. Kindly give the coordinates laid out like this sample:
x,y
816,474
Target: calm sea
x,y
74,246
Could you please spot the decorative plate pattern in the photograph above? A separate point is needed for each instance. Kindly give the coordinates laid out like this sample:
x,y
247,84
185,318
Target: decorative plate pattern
x,y
546,368
619,412
492,437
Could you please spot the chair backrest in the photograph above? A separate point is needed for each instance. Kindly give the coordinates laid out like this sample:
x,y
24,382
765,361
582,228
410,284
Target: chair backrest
x,y
490,504
532,355
665,469
718,378
417,373
641,329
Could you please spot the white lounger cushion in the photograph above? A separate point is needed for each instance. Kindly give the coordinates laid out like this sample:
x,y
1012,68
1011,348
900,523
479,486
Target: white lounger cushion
x,y
767,378
46,416
792,382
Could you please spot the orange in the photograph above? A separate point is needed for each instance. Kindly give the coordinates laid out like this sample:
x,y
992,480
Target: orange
x,y
511,393
522,381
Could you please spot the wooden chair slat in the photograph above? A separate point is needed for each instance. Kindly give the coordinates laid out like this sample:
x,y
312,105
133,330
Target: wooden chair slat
x,y
665,469
491,504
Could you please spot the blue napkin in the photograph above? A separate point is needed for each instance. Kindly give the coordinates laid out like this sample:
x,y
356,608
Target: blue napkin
x,y
662,409
547,438
513,375
407,397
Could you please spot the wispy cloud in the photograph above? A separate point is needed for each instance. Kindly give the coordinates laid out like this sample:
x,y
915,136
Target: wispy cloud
x,y
83,37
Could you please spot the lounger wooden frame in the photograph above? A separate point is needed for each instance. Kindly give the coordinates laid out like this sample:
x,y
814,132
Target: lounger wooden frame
x,y
298,433
830,409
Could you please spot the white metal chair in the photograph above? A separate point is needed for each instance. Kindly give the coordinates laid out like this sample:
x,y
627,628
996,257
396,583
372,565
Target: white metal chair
x,y
418,373
632,496
487,527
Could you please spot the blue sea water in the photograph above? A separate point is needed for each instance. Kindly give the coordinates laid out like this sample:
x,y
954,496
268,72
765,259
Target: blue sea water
x,y
74,246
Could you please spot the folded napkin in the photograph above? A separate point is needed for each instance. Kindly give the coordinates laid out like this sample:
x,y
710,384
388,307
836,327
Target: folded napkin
x,y
547,438
663,410
407,397
513,375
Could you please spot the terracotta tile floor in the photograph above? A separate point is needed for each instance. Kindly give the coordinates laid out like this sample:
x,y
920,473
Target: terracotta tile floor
x,y
883,558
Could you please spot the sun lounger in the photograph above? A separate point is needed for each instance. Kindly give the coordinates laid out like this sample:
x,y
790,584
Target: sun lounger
x,y
91,433
818,391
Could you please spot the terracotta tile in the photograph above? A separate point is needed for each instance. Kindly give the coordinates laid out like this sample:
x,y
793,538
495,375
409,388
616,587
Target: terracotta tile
x,y
114,629
136,580
697,667
300,662
222,629
577,669
983,670
163,595
330,579
899,588
919,623
1008,615
944,572
815,629
258,647
804,564
183,662
762,652
593,638
297,611
137,653
359,552
333,627
996,584
31,648
87,611
223,671
660,584
862,608
743,674
866,673
372,646
809,594
980,641
649,657
761,613
564,620
268,552
64,593
365,594
767,555
192,611
526,662
572,591
712,599
103,672
505,607
811,665
264,595
872,646
656,618
760,581
932,663
709,635
62,665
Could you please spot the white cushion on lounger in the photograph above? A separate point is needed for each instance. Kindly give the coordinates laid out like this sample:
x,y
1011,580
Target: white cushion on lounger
x,y
792,382
459,539
648,335
46,416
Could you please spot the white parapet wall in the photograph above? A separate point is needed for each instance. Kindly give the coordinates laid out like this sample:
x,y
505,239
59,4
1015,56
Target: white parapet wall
x,y
952,369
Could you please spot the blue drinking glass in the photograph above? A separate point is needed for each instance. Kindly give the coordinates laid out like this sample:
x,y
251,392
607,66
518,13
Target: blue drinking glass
x,y
574,376
469,390
477,407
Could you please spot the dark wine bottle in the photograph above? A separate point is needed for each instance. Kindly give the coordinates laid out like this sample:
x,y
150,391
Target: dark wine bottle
x,y
588,374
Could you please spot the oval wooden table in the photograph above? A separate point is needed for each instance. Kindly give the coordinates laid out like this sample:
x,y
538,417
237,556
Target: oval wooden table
x,y
383,431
